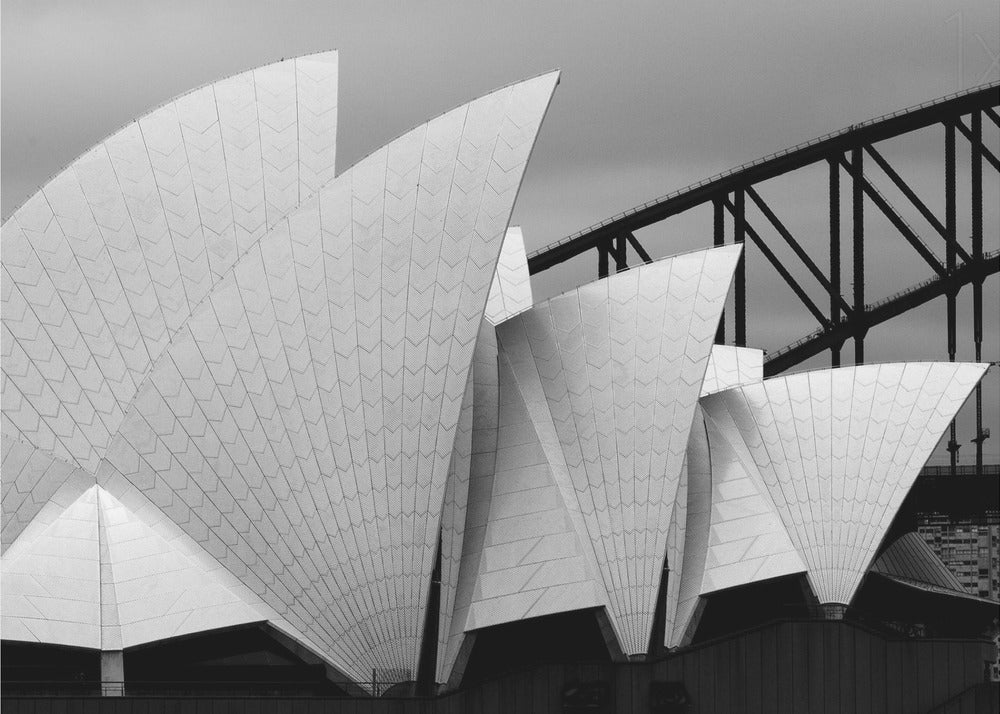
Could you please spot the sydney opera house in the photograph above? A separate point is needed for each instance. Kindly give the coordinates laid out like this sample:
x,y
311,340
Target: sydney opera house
x,y
276,429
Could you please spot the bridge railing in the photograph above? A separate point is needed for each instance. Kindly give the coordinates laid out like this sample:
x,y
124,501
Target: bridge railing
x,y
762,160
936,471
868,308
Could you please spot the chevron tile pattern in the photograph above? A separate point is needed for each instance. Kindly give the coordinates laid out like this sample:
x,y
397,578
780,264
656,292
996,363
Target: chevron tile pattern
x,y
104,265
239,389
730,366
836,451
302,423
273,365
98,575
611,374
30,480
511,290
162,587
475,447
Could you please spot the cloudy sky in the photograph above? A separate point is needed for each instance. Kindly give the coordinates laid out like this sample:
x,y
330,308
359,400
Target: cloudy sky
x,y
654,96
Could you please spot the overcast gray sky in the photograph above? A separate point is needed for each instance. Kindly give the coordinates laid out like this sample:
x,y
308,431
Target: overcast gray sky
x,y
654,96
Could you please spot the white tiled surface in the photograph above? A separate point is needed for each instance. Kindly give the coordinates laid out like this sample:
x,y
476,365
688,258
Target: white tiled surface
x,y
95,574
279,388
30,479
159,590
533,562
273,390
747,541
730,366
837,451
463,521
698,471
52,577
475,445
734,534
610,374
511,289
103,266
304,418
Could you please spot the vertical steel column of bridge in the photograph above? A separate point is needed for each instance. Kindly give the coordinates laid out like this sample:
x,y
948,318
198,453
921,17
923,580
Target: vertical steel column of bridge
x,y
950,255
620,247
719,226
977,286
858,276
740,303
602,260
835,294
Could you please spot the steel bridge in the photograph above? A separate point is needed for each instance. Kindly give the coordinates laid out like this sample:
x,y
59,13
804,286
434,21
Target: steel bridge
x,y
845,153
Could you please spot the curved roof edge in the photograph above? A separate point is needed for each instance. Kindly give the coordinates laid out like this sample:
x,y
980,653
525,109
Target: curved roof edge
x,y
837,450
845,131
616,277
613,370
117,130
132,236
430,210
511,289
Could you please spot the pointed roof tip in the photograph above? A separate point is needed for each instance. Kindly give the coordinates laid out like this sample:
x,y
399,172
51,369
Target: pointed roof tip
x,y
728,248
881,480
553,75
720,251
456,107
321,56
329,56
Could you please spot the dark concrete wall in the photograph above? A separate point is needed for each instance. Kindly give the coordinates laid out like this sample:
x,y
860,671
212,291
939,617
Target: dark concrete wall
x,y
809,666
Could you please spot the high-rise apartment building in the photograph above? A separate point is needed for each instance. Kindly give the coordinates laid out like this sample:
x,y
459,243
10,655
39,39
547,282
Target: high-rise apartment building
x,y
970,549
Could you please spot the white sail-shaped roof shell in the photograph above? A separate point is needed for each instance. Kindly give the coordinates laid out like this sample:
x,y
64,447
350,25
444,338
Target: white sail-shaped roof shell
x,y
297,416
302,423
610,375
836,451
105,263
237,389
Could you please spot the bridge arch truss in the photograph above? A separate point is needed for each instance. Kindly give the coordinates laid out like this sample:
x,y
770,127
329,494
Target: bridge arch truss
x,y
851,157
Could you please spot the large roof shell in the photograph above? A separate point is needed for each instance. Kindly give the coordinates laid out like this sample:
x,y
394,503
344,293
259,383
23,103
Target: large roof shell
x,y
238,389
836,452
297,419
105,263
610,374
